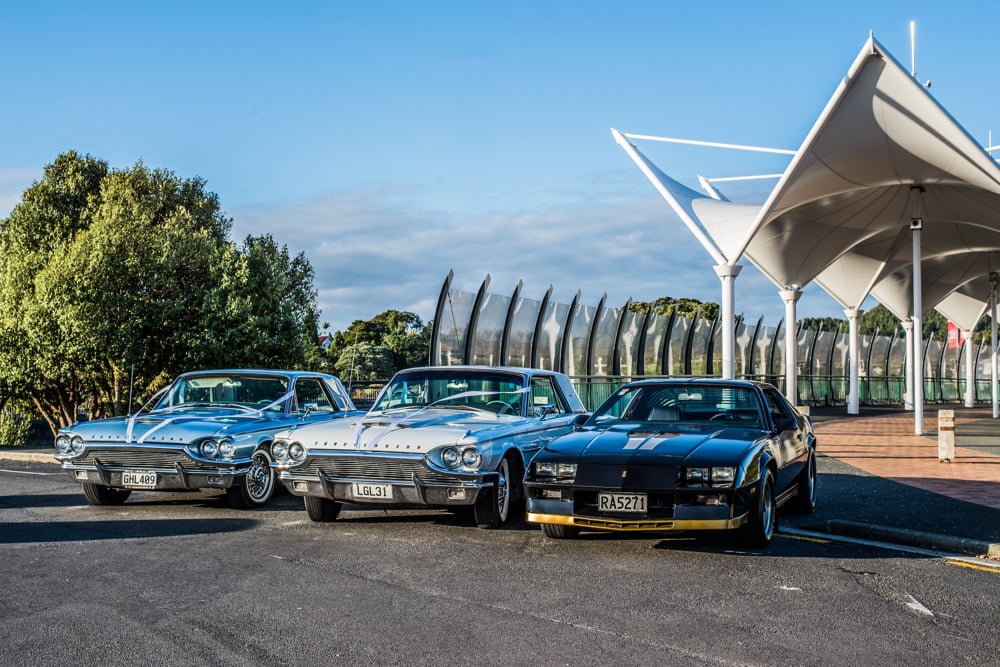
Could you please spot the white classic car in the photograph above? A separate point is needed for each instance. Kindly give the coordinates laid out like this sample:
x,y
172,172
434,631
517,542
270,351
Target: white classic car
x,y
441,436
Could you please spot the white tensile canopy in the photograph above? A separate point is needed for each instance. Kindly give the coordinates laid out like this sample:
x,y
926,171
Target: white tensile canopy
x,y
888,195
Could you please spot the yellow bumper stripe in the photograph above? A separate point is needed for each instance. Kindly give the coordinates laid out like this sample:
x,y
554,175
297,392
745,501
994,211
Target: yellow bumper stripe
x,y
601,523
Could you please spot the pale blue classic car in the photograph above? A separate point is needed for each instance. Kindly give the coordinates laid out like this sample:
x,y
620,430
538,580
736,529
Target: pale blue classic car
x,y
444,436
206,430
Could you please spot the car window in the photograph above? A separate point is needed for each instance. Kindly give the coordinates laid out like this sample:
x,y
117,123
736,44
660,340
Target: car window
x,y
776,406
309,395
543,393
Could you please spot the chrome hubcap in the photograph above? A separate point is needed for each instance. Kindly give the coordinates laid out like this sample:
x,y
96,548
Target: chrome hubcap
x,y
259,477
503,490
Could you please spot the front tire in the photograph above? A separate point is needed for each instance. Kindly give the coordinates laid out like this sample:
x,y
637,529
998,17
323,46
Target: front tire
x,y
759,530
322,510
256,487
98,494
560,532
804,501
493,504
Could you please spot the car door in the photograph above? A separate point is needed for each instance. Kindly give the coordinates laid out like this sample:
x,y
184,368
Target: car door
x,y
790,446
555,415
312,402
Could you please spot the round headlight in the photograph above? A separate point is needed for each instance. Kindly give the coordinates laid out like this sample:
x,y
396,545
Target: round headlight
x,y
62,443
209,449
450,457
77,444
471,458
227,449
296,451
279,450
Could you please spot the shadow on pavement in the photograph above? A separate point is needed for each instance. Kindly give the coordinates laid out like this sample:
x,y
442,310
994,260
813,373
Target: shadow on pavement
x,y
79,531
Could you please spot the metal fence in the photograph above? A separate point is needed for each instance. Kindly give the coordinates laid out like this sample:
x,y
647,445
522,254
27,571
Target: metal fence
x,y
600,347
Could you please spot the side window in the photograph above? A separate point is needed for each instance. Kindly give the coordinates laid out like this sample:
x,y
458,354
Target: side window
x,y
309,393
776,406
543,393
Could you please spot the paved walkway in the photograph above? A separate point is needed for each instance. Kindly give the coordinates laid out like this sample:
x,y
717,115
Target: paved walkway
x,y
884,445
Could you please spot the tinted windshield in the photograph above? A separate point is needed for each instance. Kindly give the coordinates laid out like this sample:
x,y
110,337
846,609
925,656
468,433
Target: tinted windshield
x,y
495,392
682,403
251,391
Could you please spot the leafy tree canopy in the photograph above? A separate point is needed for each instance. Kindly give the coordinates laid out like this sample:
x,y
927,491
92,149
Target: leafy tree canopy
x,y
402,333
117,279
666,305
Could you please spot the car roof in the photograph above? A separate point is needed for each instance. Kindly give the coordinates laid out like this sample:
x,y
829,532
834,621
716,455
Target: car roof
x,y
485,369
697,381
256,371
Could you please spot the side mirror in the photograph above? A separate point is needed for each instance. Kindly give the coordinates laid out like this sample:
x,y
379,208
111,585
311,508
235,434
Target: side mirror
x,y
544,411
785,424
579,421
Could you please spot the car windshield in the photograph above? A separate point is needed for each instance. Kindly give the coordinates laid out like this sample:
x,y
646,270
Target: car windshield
x,y
670,404
253,392
454,389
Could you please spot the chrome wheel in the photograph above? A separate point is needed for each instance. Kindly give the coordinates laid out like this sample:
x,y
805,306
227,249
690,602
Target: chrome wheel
x,y
493,504
260,479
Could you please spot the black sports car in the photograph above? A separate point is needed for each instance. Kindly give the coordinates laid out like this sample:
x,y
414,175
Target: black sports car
x,y
678,454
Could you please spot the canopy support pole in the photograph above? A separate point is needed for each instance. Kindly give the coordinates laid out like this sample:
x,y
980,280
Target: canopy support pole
x,y
790,296
993,341
853,386
908,366
918,337
970,371
727,274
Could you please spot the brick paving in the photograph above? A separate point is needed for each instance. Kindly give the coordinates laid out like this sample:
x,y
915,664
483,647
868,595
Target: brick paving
x,y
884,445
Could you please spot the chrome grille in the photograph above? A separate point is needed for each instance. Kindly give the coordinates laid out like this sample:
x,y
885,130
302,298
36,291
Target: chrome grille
x,y
164,459
389,468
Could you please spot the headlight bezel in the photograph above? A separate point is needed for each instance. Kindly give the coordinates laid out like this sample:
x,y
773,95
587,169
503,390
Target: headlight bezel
x,y
555,471
296,452
715,476
279,451
461,458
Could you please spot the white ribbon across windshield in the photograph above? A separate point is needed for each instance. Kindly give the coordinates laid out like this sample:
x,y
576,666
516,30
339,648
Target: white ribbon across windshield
x,y
174,420
401,422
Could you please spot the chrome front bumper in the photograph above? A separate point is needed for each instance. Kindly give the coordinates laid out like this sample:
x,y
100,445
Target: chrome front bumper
x,y
413,483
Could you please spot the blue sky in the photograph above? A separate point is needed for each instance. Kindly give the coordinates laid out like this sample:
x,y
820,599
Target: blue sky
x,y
393,141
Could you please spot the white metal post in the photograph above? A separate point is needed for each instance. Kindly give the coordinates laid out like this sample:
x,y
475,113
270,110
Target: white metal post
x,y
970,370
916,224
993,341
854,384
908,366
727,274
790,296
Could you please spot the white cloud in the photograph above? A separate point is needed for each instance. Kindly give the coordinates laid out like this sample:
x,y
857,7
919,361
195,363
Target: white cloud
x,y
13,183
377,250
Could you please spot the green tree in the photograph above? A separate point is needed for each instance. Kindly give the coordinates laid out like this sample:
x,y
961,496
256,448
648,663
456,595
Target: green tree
x,y
114,280
822,324
403,334
666,305
364,361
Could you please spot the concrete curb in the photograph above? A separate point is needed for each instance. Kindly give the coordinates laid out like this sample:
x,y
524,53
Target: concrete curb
x,y
913,538
28,454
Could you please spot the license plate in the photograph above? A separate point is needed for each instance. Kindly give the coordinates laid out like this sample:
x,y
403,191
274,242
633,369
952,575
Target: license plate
x,y
139,479
621,502
373,491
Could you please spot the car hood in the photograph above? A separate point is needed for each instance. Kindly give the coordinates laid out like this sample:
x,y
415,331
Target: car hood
x,y
177,427
409,431
619,444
